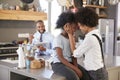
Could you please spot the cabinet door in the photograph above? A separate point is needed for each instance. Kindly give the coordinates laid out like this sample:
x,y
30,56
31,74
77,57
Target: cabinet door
x,y
119,75
113,74
4,73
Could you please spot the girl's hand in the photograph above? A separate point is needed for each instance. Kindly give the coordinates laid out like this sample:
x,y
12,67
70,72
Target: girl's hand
x,y
68,28
78,72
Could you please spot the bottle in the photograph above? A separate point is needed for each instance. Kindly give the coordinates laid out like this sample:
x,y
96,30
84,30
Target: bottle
x,y
101,2
33,8
27,63
88,2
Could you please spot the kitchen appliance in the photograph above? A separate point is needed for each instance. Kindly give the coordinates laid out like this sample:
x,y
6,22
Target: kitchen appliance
x,y
8,50
106,28
118,31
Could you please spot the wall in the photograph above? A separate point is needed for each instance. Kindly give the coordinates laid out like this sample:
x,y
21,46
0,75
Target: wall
x,y
9,29
18,2
112,14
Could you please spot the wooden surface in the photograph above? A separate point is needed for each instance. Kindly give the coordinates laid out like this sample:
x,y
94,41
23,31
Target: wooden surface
x,y
94,6
98,10
22,15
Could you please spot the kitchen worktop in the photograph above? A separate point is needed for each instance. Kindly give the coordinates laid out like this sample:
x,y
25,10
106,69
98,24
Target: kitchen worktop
x,y
38,74
46,72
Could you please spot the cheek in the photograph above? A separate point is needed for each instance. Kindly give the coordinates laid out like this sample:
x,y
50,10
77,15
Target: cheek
x,y
81,28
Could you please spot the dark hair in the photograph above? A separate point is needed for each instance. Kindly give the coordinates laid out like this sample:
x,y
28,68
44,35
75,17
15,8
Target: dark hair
x,y
65,17
38,21
78,3
87,16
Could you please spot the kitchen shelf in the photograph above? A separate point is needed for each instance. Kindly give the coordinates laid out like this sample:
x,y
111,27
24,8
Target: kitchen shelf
x,y
94,6
100,10
102,16
22,15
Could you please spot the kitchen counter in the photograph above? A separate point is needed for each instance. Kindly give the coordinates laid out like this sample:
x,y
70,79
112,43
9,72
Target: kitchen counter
x,y
14,73
43,73
38,74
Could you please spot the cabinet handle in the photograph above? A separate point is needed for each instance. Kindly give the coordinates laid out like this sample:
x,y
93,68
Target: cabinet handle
x,y
118,75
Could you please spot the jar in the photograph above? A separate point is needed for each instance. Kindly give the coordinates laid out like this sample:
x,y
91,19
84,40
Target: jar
x,y
101,2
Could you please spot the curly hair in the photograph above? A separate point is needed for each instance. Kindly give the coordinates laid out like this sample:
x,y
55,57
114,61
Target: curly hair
x,y
87,16
65,17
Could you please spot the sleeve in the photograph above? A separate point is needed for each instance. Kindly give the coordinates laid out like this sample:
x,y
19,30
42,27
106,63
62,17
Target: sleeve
x,y
50,39
83,48
57,42
29,46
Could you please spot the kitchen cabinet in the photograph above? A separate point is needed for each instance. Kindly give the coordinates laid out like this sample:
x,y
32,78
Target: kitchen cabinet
x,y
100,10
114,74
4,73
22,15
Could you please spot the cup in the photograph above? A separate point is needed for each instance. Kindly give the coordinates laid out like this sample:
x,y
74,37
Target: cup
x,y
27,64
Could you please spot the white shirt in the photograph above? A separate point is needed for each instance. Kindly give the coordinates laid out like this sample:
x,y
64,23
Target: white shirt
x,y
90,47
64,44
46,37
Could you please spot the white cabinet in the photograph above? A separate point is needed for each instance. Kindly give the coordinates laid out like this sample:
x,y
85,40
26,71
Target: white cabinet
x,y
114,73
4,73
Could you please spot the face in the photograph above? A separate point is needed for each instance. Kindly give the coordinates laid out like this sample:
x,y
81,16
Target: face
x,y
83,28
74,27
40,27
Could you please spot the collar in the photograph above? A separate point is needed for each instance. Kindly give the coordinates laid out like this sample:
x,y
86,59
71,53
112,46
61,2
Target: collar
x,y
95,31
41,33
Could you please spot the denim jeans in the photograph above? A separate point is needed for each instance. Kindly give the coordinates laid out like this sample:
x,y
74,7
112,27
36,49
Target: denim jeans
x,y
100,74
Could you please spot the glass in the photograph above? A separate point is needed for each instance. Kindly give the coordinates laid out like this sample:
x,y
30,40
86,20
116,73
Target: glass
x,y
27,63
95,2
6,6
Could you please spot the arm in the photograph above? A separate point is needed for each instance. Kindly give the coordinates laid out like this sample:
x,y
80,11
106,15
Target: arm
x,y
65,62
69,30
30,38
42,48
72,45
49,45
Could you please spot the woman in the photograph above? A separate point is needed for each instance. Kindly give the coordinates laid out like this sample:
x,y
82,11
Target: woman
x,y
62,63
94,63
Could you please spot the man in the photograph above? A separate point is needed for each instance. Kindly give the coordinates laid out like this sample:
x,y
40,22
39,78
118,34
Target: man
x,y
41,39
